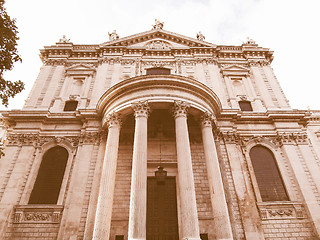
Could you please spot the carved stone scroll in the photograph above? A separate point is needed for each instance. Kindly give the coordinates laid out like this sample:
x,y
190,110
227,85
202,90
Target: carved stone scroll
x,y
37,214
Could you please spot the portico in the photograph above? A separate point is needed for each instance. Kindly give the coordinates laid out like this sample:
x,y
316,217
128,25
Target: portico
x,y
141,96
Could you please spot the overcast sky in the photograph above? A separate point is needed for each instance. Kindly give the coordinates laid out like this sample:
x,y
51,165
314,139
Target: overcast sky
x,y
290,28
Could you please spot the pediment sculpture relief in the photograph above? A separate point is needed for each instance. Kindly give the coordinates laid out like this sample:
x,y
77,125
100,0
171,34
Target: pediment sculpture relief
x,y
158,44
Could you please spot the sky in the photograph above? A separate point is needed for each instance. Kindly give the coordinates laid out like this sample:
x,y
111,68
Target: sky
x,y
290,28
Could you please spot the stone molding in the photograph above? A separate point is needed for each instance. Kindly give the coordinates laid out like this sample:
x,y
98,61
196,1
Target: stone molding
x,y
281,210
37,140
37,214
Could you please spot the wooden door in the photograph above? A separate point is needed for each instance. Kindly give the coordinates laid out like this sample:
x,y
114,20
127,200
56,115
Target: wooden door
x,y
162,219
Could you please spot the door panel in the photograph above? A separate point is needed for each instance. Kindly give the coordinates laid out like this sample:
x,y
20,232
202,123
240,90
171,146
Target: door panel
x,y
162,219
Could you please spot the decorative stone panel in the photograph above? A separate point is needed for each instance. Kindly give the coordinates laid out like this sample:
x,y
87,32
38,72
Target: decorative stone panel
x,y
281,210
38,214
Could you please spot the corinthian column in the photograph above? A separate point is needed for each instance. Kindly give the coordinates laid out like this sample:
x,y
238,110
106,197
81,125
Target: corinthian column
x,y
219,205
189,214
104,208
138,196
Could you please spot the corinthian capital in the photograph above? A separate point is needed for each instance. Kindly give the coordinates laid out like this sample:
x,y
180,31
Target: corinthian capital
x,y
141,109
206,120
113,120
180,109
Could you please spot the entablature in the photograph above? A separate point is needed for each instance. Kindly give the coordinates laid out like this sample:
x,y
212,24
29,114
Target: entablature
x,y
155,43
236,116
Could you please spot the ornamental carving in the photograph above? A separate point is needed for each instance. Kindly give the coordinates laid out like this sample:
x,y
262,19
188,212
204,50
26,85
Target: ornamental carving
x,y
55,62
207,119
258,63
36,214
293,138
141,109
276,140
281,210
158,45
34,139
112,120
91,137
180,109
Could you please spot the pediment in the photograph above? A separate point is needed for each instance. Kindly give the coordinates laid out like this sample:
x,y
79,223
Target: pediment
x,y
157,39
80,69
235,70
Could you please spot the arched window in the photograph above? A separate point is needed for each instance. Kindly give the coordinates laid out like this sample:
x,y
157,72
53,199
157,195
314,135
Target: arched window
x,y
47,186
267,174
158,71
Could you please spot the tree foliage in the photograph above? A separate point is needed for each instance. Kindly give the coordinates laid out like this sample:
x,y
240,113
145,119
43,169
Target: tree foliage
x,y
8,55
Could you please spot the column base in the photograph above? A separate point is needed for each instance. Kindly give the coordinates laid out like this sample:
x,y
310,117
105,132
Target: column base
x,y
186,238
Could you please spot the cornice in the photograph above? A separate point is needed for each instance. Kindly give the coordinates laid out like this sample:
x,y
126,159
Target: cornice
x,y
111,99
14,116
300,116
63,53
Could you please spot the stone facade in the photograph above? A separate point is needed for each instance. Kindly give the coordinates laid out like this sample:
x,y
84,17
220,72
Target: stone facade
x,y
124,107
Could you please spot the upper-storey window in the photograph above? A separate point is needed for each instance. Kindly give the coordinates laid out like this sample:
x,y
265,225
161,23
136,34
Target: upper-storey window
x,y
48,183
158,71
245,106
70,105
268,177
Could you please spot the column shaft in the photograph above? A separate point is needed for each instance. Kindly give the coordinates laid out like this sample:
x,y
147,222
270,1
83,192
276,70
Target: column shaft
x,y
105,200
188,205
138,196
223,228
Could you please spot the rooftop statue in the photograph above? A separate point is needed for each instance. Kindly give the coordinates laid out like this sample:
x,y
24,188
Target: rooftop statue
x,y
250,41
113,36
64,39
200,36
157,24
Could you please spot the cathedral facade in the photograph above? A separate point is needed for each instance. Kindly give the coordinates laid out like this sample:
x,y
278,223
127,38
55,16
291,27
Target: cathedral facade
x,y
159,136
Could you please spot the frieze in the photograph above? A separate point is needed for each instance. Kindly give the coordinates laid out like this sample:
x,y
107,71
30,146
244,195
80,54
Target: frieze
x,y
36,214
277,140
55,62
22,139
245,140
258,63
283,210
297,138
36,140
91,137
156,63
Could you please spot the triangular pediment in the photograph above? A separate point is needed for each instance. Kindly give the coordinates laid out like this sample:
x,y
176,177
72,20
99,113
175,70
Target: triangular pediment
x,y
235,70
157,39
80,69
